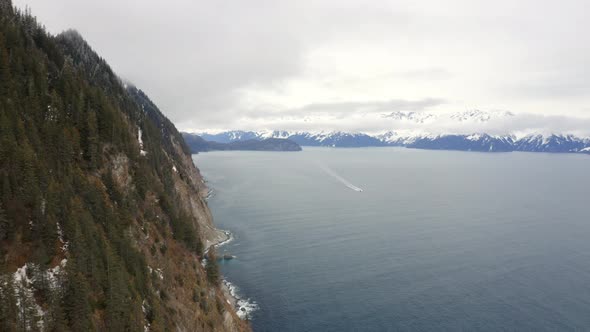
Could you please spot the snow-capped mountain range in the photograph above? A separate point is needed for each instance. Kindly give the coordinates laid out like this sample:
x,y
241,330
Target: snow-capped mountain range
x,y
473,142
465,131
426,117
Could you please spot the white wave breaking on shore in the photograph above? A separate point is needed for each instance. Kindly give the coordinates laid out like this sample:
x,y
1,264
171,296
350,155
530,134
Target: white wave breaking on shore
x,y
210,194
244,306
230,238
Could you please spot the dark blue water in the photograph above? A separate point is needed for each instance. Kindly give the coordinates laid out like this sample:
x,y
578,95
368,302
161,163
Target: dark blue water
x,y
435,241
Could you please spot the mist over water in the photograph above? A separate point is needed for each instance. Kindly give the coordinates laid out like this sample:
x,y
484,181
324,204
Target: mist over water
x,y
437,240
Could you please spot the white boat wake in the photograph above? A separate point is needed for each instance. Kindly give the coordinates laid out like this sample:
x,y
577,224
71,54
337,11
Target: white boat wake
x,y
333,174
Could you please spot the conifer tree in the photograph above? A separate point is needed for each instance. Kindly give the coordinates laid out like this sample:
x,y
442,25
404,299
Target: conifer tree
x,y
75,302
63,112
212,267
8,307
4,69
4,224
55,319
28,317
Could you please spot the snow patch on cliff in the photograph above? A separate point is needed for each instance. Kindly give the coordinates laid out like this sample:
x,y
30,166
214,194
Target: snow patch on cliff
x,y
140,141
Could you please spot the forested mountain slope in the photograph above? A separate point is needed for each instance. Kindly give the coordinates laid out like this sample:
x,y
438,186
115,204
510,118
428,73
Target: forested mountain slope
x,y
102,216
197,144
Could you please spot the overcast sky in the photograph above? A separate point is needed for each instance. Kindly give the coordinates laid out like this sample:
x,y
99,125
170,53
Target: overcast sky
x,y
270,64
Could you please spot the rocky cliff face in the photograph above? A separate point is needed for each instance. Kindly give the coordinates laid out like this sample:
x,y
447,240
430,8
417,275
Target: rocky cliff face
x,y
103,221
188,183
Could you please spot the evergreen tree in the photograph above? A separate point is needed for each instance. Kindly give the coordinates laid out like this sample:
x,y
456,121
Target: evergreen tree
x,y
55,318
75,302
4,224
91,136
4,69
212,267
28,317
65,119
8,308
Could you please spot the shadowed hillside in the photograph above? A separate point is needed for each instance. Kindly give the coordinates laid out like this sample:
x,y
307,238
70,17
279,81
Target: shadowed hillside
x,y
102,216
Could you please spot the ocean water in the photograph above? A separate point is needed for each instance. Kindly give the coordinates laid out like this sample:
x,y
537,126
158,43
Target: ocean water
x,y
436,240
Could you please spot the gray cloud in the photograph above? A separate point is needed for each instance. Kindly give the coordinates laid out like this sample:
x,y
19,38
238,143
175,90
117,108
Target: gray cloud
x,y
213,64
425,73
371,106
339,110
375,123
566,83
518,124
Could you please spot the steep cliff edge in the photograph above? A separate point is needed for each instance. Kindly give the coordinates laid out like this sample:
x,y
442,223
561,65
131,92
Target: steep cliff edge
x,y
188,182
103,221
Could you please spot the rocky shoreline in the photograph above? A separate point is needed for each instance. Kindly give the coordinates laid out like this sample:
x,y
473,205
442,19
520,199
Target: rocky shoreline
x,y
244,307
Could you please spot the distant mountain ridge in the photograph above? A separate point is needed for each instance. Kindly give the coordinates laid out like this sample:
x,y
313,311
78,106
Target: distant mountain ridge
x,y
558,143
464,116
197,144
470,130
334,139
